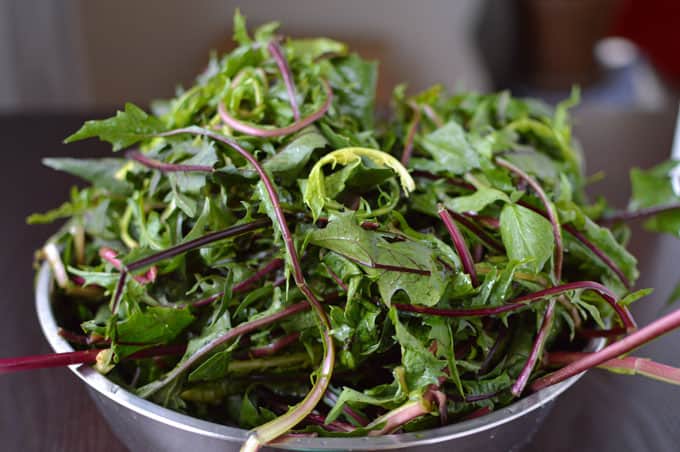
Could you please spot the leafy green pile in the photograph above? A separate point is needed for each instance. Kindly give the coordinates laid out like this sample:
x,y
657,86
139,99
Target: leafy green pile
x,y
440,252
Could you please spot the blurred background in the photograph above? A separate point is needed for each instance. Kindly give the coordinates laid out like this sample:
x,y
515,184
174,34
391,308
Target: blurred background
x,y
94,55
62,61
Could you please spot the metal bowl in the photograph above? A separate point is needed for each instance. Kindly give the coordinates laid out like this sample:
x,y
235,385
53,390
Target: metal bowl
x,y
145,426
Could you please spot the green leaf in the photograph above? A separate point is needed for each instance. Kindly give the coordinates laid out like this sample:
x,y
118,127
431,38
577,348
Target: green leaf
x,y
356,80
240,29
212,368
157,325
126,128
423,280
527,236
290,161
315,195
313,48
450,149
103,173
476,201
422,367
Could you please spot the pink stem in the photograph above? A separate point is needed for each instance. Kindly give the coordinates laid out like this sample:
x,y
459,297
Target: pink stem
x,y
520,302
459,243
166,167
630,364
433,116
256,131
642,336
392,421
110,256
275,346
280,58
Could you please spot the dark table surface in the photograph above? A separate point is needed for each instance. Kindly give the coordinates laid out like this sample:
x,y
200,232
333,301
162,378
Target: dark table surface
x,y
50,411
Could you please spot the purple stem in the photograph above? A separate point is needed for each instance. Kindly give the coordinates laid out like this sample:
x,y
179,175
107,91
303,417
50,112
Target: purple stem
x,y
246,284
275,346
588,244
546,323
459,243
180,249
280,425
277,53
652,331
338,280
233,333
10,365
626,215
393,268
256,131
520,302
166,167
536,350
483,236
599,253
408,144
550,211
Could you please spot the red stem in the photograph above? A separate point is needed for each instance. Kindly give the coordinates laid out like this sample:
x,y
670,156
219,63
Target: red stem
x,y
10,365
642,336
459,243
275,346
257,131
110,256
277,53
520,302
481,234
166,167
536,349
336,278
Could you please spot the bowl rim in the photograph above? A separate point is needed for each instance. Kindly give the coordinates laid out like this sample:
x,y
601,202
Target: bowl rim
x,y
43,289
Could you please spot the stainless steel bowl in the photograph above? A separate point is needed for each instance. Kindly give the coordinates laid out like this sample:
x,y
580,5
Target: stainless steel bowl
x,y
145,426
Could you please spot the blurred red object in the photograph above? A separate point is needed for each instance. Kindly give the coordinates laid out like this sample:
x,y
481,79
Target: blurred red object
x,y
654,25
